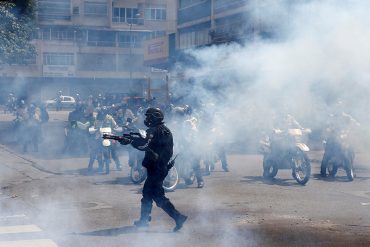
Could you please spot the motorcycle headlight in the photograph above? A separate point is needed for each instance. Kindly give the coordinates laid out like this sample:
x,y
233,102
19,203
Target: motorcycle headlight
x,y
106,143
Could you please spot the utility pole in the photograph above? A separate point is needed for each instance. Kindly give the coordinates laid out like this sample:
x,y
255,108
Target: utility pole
x,y
130,56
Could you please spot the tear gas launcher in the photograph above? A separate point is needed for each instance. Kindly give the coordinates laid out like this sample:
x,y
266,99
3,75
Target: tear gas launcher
x,y
123,139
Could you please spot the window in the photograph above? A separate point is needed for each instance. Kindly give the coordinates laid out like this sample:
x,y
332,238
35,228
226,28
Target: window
x,y
56,34
76,10
96,62
155,13
187,3
66,98
156,34
131,39
129,15
54,10
61,35
225,4
119,15
101,38
194,39
58,59
92,8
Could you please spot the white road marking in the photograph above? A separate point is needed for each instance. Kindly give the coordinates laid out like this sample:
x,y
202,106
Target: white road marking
x,y
29,243
19,229
12,216
365,203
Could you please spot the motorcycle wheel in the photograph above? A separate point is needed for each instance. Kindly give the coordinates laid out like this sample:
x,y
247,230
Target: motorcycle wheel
x,y
171,180
270,168
137,174
301,168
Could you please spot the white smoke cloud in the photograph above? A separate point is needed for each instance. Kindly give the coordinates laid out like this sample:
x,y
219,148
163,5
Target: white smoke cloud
x,y
317,57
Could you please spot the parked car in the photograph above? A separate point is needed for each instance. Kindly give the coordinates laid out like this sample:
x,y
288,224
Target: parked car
x,y
67,102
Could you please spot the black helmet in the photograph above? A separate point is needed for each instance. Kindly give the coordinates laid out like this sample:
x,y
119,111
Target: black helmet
x,y
154,116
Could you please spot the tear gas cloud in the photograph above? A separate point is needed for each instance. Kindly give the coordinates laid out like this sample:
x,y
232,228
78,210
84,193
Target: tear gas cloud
x,y
317,58
317,63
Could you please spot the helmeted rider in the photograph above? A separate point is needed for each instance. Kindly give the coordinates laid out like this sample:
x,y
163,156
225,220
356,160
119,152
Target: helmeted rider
x,y
339,123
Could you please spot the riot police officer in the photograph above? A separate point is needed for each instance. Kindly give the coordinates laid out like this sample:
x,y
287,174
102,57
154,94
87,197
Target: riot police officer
x,y
158,147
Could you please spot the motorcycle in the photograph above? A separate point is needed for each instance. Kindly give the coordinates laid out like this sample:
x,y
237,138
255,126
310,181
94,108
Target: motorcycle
x,y
105,144
286,150
181,170
338,154
138,173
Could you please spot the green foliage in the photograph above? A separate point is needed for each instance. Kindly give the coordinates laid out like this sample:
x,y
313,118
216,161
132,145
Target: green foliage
x,y
17,23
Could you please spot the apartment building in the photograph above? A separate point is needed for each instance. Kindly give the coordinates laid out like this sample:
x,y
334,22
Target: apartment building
x,y
90,46
205,22
208,22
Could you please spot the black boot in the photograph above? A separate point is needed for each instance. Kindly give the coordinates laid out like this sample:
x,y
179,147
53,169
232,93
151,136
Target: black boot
x,y
174,214
142,222
180,222
145,218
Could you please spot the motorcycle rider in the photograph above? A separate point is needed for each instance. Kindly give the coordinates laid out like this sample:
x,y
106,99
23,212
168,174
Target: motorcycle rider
x,y
78,98
103,120
158,147
95,150
130,126
10,104
339,123
218,139
190,148
285,122
72,137
186,127
33,125
277,138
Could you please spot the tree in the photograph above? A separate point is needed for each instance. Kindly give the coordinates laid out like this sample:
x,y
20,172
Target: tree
x,y
17,23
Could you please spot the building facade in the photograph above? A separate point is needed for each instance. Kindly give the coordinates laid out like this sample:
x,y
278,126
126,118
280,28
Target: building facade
x,y
90,46
207,22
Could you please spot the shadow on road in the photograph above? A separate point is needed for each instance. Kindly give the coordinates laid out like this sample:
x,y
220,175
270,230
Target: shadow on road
x,y
273,181
111,231
117,181
121,230
340,178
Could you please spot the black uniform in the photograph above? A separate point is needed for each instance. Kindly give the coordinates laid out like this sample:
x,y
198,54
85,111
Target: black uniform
x,y
158,147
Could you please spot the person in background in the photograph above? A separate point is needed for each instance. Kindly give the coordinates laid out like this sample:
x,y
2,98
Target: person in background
x,y
59,99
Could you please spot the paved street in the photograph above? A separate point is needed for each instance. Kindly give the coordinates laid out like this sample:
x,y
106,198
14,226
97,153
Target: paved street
x,y
49,201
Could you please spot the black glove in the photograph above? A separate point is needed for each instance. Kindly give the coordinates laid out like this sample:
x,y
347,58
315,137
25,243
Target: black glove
x,y
124,141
